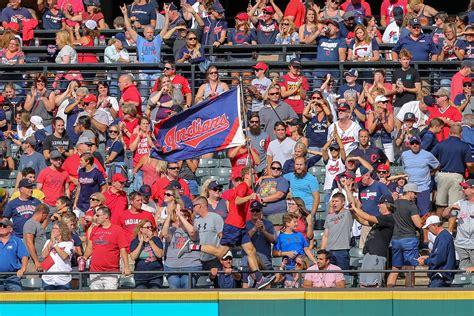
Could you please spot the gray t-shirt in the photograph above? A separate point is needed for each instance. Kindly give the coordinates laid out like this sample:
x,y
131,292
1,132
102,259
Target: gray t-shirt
x,y
36,229
209,227
404,226
270,186
262,86
268,117
35,161
260,143
66,51
340,226
39,109
178,238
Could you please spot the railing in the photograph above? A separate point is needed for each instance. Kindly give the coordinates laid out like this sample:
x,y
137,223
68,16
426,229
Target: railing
x,y
82,276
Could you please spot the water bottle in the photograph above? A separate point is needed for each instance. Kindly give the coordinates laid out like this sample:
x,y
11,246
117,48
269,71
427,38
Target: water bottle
x,y
399,83
37,42
102,40
96,41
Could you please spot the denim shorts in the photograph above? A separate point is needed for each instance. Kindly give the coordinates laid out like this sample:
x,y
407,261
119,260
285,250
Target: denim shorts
x,y
233,236
405,252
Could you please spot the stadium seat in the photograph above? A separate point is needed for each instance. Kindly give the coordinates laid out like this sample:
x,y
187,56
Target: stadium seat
x,y
318,236
276,262
204,179
349,280
356,257
203,172
5,183
221,172
225,163
208,163
322,207
396,170
237,252
313,170
462,280
13,174
31,284
127,282
204,282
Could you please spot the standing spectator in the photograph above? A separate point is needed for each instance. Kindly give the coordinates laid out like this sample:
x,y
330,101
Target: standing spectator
x,y
40,100
58,140
457,80
463,100
443,110
378,240
14,12
423,12
459,218
240,157
30,158
428,138
317,116
54,180
107,244
331,11
295,12
140,145
215,26
442,257
147,252
288,35
60,249
304,185
421,45
418,164
337,232
439,23
142,13
34,235
21,209
266,27
115,196
294,87
179,82
213,86
67,55
90,180
331,47
259,86
130,96
347,129
370,193
272,192
380,126
359,9
281,149
404,239
454,156
209,226
259,140
148,204
334,156
387,10
148,47
406,81
159,187
321,279
262,235
212,190
274,111
347,26
14,257
392,31
418,108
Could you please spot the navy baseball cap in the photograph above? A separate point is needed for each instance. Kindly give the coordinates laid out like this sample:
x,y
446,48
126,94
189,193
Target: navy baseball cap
x,y
145,190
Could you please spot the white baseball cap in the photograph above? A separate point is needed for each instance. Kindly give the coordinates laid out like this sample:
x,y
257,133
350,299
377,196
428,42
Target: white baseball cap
x,y
381,98
433,219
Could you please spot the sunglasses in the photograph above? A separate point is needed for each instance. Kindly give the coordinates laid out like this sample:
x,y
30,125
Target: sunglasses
x,y
168,194
285,24
94,199
167,68
381,171
3,226
216,189
256,210
148,227
254,122
173,168
467,85
266,13
227,259
213,73
414,143
416,27
113,132
192,39
274,93
276,168
316,98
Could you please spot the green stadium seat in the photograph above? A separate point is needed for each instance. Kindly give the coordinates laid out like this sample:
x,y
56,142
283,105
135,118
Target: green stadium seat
x,y
276,262
204,282
349,279
462,280
203,172
225,163
127,282
221,172
208,163
31,284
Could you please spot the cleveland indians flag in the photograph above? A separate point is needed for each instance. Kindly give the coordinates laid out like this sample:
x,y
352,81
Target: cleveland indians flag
x,y
208,126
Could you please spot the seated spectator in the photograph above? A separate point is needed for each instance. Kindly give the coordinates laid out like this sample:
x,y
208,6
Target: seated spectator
x,y
160,102
469,34
439,23
445,111
324,280
300,150
391,34
347,27
370,22
465,70
172,204
230,279
15,260
58,251
89,219
271,192
212,190
461,20
288,34
463,100
420,112
281,149
147,252
362,47
240,157
213,86
291,280
359,8
423,12
53,17
170,178
192,52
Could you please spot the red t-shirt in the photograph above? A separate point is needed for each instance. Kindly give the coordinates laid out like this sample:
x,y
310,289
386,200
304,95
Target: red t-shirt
x,y
117,203
179,82
130,125
143,148
295,101
131,94
53,182
297,10
106,244
159,187
451,112
456,85
239,162
128,221
71,165
96,17
386,9
238,213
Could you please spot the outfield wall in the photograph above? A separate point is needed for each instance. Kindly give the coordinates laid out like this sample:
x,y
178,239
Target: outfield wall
x,y
239,303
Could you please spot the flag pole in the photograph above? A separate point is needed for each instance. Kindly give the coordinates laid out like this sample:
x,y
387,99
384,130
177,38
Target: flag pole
x,y
247,143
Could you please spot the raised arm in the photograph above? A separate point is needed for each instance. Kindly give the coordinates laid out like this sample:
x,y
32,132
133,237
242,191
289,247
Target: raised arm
x,y
128,25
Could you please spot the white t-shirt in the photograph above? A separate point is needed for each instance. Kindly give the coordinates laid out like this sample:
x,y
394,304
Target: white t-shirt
x,y
59,265
262,86
349,137
413,107
333,168
281,151
391,34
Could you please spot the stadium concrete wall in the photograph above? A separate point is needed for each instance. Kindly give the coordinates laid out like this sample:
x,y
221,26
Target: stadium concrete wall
x,y
239,303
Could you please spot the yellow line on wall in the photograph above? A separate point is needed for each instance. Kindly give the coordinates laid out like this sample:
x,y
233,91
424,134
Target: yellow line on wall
x,y
262,295
338,296
22,296
434,295
89,296
175,296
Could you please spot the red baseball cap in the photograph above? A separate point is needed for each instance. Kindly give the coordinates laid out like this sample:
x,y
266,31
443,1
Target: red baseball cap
x,y
261,65
383,167
119,177
269,9
90,98
242,16
467,80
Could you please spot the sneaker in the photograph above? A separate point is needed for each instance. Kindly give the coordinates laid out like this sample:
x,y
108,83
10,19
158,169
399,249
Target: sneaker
x,y
185,249
264,281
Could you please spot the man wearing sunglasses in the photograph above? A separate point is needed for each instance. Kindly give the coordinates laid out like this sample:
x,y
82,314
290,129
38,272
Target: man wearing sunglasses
x,y
444,110
266,27
14,257
463,100
172,176
419,44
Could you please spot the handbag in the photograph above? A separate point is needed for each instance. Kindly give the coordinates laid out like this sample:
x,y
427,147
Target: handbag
x,y
47,263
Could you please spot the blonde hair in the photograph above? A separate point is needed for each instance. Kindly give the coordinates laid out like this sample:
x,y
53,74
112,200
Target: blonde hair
x,y
205,188
367,40
99,196
64,39
140,225
291,27
7,36
450,27
25,119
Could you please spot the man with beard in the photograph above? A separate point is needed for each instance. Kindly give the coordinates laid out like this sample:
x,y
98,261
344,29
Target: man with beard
x,y
259,140
324,280
369,152
304,185
347,129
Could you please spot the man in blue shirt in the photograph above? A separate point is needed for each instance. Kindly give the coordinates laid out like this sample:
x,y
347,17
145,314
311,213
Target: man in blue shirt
x,y
14,257
468,131
304,185
442,257
417,164
148,48
454,157
420,45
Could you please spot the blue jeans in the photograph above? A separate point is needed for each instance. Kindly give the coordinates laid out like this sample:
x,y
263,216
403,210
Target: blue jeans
x,y
48,287
193,187
341,258
437,281
181,281
10,283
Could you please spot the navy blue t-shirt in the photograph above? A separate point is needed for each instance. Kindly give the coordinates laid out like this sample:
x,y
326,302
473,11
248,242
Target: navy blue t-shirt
x,y
317,131
453,154
19,212
90,183
428,141
328,50
116,147
144,12
357,88
52,21
147,260
421,48
370,195
212,30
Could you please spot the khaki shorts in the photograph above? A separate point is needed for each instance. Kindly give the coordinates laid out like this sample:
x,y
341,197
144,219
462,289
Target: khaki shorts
x,y
449,191
276,218
104,282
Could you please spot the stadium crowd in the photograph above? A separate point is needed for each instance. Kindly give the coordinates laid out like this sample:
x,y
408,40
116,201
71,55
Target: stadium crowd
x,y
375,162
